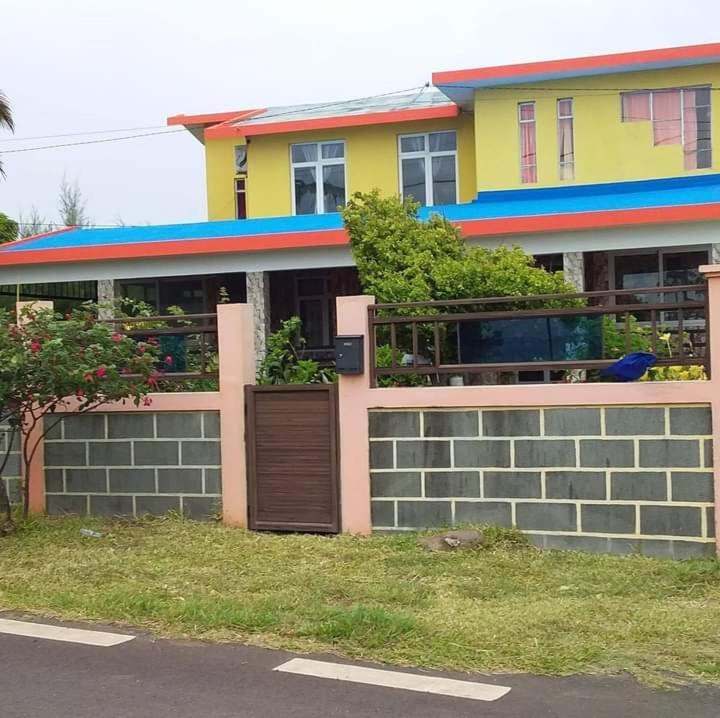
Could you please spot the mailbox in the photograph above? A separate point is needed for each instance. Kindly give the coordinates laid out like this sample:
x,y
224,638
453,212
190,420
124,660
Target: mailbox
x,y
349,354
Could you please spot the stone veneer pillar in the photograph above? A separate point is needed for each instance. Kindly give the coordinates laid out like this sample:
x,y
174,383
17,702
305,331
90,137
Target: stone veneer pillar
x,y
574,269
106,295
258,294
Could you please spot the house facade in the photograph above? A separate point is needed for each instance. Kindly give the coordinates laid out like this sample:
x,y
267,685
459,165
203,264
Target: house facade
x,y
606,168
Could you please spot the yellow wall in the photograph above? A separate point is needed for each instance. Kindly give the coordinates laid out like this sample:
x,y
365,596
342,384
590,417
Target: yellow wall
x,y
371,160
606,149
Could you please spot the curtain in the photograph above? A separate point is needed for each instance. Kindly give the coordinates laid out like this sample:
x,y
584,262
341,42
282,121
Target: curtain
x,y
690,139
667,128
635,106
567,149
528,159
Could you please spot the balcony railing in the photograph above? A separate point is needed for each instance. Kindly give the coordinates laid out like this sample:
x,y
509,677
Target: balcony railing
x,y
554,334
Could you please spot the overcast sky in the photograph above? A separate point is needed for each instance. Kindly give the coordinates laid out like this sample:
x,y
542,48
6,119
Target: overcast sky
x,y
84,65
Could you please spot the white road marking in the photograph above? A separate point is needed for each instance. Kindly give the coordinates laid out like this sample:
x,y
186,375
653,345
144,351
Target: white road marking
x,y
60,633
395,679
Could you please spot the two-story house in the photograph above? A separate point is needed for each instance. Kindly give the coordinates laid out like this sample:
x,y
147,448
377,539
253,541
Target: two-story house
x,y
603,167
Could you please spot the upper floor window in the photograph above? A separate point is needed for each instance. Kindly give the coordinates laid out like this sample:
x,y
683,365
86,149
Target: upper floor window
x,y
240,198
679,117
428,167
528,142
241,160
318,177
566,139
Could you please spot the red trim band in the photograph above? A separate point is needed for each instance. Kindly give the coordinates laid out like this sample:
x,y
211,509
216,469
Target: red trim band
x,y
579,64
211,118
323,123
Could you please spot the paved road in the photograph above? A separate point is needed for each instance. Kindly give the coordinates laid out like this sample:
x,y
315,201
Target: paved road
x,y
147,678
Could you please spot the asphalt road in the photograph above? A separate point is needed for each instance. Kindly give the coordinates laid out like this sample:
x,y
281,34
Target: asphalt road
x,y
149,678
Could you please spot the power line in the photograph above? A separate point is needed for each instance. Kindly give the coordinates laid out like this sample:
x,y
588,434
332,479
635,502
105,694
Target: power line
x,y
90,142
268,116
80,134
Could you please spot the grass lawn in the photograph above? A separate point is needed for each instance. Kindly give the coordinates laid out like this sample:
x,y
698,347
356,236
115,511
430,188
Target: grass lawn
x,y
504,608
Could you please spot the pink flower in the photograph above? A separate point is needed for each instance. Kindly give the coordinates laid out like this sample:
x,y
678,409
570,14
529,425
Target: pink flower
x,y
152,340
124,370
153,380
100,372
168,360
117,337
141,348
147,401
35,346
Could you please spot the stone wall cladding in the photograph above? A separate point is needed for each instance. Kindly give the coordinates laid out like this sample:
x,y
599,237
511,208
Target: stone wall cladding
x,y
119,464
12,472
606,479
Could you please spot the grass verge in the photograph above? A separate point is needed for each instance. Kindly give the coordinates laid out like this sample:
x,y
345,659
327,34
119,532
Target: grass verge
x,y
503,608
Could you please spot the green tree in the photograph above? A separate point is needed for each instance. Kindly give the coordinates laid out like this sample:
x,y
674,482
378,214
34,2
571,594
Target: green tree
x,y
6,120
49,363
401,258
72,205
8,229
32,224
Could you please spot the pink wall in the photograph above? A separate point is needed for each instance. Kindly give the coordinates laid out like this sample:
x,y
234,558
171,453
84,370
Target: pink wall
x,y
356,398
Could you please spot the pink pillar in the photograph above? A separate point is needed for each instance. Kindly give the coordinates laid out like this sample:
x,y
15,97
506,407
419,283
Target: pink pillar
x,y
712,274
236,347
353,398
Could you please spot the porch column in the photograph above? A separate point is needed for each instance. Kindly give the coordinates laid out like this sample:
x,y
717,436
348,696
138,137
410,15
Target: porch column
x,y
258,294
106,295
574,269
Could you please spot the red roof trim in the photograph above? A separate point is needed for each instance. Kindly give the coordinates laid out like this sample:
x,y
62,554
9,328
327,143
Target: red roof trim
x,y
579,64
211,118
209,245
322,123
49,233
496,227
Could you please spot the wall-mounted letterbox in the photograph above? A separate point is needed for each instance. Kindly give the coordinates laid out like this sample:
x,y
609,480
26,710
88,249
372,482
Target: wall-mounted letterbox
x,y
349,357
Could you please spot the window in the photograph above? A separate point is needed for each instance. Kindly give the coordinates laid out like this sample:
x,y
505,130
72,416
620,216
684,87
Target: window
x,y
240,199
241,160
428,167
566,139
318,177
669,267
313,308
679,117
528,144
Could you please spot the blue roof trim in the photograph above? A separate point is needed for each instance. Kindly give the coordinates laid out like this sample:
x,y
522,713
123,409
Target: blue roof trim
x,y
493,204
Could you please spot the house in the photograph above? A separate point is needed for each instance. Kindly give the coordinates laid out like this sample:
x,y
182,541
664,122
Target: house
x,y
604,167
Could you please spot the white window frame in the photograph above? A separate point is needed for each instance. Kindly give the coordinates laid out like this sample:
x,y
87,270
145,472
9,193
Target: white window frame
x,y
522,122
318,165
427,155
570,117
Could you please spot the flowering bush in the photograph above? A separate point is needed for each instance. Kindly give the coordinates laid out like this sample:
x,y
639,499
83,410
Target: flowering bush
x,y
49,363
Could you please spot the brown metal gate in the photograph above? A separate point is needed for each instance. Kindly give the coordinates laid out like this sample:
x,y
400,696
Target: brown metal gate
x,y
292,458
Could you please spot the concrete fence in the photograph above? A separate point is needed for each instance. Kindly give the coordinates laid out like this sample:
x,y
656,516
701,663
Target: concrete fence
x,y
602,467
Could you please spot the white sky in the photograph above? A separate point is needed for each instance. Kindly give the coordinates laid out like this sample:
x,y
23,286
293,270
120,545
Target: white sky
x,y
84,65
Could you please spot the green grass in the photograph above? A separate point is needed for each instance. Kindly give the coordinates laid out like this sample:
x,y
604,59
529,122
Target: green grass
x,y
505,607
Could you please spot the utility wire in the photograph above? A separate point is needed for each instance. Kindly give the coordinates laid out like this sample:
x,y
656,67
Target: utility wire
x,y
80,134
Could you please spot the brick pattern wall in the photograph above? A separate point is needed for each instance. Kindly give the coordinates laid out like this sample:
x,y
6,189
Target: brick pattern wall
x,y
133,464
12,472
606,479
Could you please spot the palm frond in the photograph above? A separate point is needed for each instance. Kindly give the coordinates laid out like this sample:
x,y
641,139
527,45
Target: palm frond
x,y
6,118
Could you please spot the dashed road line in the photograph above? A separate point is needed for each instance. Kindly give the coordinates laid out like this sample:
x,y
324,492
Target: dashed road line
x,y
394,679
60,633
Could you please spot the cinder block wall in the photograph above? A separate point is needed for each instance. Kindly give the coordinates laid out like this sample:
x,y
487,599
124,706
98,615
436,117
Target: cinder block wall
x,y
12,472
605,479
118,464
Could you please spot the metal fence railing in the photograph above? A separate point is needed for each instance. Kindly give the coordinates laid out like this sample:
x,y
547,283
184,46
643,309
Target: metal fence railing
x,y
552,334
188,343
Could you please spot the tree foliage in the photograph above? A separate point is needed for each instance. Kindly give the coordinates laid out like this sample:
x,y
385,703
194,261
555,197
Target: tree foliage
x,y
6,120
8,229
401,258
50,364
32,224
72,205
